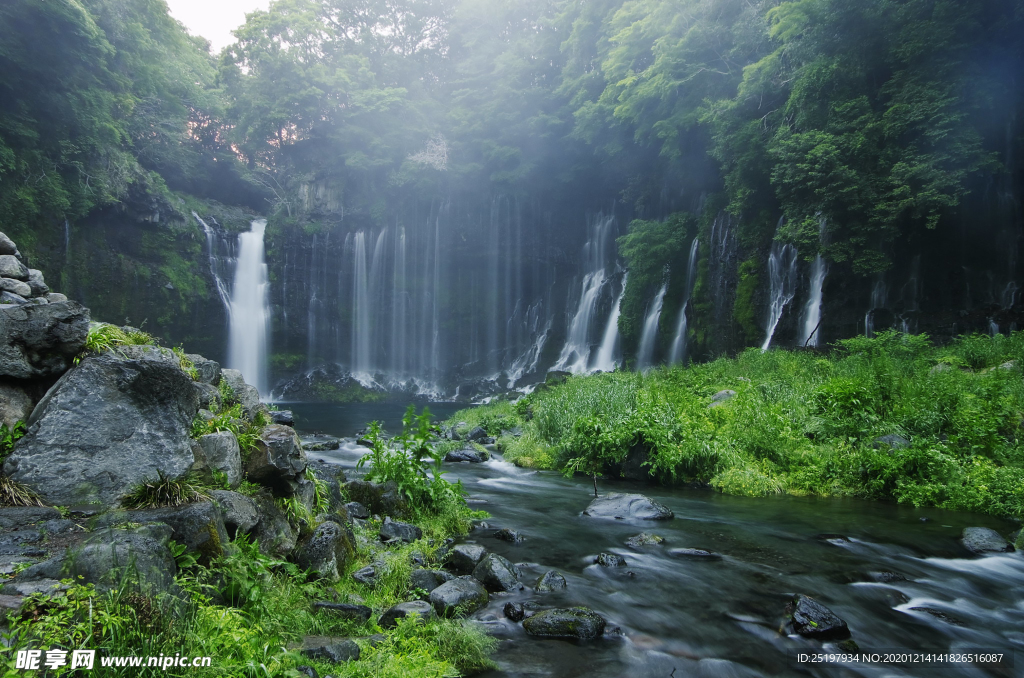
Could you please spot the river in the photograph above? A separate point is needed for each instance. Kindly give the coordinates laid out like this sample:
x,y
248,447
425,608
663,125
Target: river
x,y
896,574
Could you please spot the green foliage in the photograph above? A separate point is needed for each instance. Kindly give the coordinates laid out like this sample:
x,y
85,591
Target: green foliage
x,y
745,309
232,419
805,424
183,558
104,337
187,366
412,463
163,491
9,436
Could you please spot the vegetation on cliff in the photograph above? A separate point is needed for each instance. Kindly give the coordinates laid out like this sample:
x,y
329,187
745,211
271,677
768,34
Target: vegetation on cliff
x,y
892,418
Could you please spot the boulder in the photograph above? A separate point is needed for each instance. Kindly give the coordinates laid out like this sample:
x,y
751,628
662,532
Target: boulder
x,y
551,581
511,536
458,596
56,298
580,623
497,573
357,510
326,552
15,287
811,619
245,395
420,608
428,580
333,476
223,454
273,532
366,575
278,461
9,298
984,540
106,427
283,417
476,435
381,498
334,650
892,441
610,560
7,246
514,611
17,517
199,526
463,558
644,539
209,397
15,404
359,613
239,511
627,507
41,341
37,287
725,394
10,267
467,454
393,531
318,443
207,371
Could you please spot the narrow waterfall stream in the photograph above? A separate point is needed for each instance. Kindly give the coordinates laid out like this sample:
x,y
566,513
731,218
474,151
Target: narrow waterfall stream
x,y
677,353
896,574
250,313
645,354
782,279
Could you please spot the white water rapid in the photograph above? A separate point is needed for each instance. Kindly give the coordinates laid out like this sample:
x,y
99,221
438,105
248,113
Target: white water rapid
x,y
250,312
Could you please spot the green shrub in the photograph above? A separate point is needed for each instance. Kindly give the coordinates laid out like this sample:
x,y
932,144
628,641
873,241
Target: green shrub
x,y
163,492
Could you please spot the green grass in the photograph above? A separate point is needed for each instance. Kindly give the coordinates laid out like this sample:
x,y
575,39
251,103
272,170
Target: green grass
x,y
801,422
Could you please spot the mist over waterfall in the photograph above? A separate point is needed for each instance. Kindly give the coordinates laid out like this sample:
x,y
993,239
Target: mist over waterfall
x,y
247,349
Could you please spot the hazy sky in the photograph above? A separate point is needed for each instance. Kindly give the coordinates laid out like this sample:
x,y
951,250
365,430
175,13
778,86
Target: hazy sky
x,y
214,19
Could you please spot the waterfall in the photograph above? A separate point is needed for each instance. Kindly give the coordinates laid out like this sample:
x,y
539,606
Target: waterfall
x,y
782,276
575,355
361,368
1009,296
879,297
250,311
605,360
810,334
211,247
645,355
399,309
677,354
527,362
993,327
67,238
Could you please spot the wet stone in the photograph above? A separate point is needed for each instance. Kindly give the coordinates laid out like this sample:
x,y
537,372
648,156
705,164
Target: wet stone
x,y
573,622
511,536
551,581
811,619
695,554
610,560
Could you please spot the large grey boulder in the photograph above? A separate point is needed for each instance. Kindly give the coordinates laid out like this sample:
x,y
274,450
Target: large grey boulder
x,y
333,650
394,531
568,622
497,573
551,581
463,558
223,454
10,267
41,341
37,286
382,498
247,396
428,580
420,608
326,552
13,286
106,427
7,245
274,534
15,404
239,511
984,540
278,461
199,526
627,507
464,595
207,370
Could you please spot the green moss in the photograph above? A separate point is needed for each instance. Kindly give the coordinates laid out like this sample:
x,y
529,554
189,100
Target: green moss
x,y
744,309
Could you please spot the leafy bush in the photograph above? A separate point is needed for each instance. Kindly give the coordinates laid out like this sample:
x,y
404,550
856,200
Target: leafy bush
x,y
412,463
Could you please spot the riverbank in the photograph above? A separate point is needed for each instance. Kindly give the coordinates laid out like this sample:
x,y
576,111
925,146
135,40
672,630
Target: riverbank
x,y
889,418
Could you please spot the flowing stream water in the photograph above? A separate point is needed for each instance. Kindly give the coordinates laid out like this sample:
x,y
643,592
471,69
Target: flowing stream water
x,y
896,574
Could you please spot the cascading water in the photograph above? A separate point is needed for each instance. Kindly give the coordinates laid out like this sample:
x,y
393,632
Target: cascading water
x,y
810,334
250,312
645,354
782,277
605,360
527,362
575,355
361,327
211,248
677,354
879,297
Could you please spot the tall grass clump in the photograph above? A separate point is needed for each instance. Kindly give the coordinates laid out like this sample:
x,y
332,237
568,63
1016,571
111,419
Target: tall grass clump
x,y
802,422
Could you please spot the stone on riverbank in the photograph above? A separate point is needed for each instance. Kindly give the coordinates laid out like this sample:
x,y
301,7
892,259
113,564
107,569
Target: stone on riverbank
x,y
421,608
199,526
428,580
273,532
627,507
334,650
112,423
239,511
394,531
41,341
223,454
278,461
469,454
511,536
360,613
326,552
551,581
463,558
569,622
464,595
984,540
497,573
